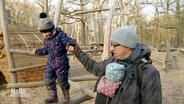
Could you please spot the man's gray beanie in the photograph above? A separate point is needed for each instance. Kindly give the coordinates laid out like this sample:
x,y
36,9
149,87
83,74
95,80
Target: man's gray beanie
x,y
125,36
45,23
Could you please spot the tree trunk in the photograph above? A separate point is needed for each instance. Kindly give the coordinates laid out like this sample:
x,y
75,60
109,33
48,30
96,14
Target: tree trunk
x,y
167,59
82,35
46,6
178,23
100,24
57,13
106,48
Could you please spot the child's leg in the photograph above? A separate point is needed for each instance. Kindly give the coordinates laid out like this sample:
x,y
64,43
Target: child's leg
x,y
63,81
50,82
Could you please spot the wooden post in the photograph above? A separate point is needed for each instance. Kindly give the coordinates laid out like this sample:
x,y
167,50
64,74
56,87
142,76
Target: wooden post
x,y
45,6
57,13
7,45
174,62
167,58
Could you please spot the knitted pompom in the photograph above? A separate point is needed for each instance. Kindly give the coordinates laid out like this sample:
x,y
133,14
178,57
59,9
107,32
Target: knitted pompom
x,y
43,15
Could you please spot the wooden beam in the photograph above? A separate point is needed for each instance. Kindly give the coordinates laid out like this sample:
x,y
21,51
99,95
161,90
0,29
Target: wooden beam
x,y
83,78
25,85
79,98
13,33
91,11
91,51
28,67
17,51
24,52
86,91
181,50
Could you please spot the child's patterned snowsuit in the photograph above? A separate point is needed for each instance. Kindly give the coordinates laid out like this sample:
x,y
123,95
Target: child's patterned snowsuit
x,y
58,63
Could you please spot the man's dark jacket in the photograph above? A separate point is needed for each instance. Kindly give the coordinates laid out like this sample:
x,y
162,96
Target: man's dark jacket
x,y
129,92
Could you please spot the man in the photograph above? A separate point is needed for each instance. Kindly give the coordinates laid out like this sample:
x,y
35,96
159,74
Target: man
x,y
128,52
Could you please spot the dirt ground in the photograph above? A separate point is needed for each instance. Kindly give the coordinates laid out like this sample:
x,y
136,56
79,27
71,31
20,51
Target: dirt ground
x,y
172,85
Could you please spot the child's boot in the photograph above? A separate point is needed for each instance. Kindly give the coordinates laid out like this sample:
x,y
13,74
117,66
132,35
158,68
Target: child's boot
x,y
52,98
66,96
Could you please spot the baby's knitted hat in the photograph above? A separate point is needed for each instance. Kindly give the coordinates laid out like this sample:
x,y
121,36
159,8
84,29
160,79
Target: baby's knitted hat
x,y
114,71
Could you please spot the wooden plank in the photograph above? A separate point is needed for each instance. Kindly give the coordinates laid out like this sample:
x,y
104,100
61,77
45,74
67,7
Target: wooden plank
x,y
28,67
83,78
25,85
18,51
79,98
86,91
181,50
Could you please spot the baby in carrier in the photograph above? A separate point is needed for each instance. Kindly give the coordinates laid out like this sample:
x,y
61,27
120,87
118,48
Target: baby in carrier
x,y
111,80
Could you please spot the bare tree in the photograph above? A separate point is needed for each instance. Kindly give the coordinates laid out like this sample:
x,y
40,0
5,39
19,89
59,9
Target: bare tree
x,y
106,48
20,13
44,4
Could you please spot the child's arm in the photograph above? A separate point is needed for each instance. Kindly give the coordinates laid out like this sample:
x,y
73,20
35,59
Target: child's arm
x,y
67,39
41,51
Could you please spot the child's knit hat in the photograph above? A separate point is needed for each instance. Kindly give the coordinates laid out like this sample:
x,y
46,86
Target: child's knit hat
x,y
45,23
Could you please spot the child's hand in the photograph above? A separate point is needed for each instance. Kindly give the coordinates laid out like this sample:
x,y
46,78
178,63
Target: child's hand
x,y
70,48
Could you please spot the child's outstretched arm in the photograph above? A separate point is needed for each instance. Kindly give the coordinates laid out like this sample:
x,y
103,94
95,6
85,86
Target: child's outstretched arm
x,y
41,51
67,39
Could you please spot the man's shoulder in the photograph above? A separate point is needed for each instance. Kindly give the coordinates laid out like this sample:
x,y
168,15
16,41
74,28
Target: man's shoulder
x,y
148,68
145,66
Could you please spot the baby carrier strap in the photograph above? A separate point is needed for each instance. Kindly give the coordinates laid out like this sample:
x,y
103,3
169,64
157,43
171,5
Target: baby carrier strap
x,y
137,70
